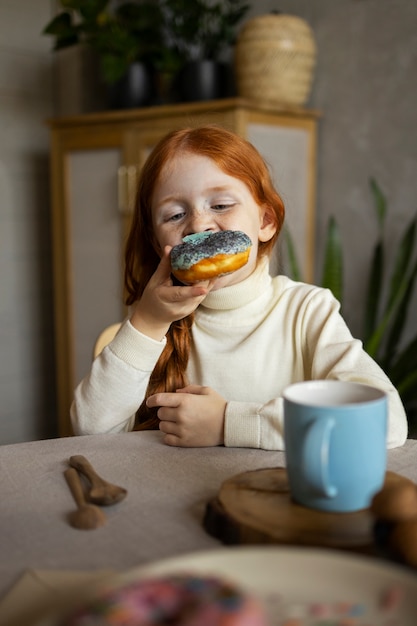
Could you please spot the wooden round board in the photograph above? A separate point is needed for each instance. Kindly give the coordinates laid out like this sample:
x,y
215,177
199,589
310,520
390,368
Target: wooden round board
x,y
256,507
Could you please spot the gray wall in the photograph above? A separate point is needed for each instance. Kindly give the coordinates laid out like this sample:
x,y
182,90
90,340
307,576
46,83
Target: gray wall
x,y
366,89
26,355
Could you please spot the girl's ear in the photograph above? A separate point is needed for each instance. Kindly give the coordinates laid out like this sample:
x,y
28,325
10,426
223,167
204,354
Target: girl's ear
x,y
268,226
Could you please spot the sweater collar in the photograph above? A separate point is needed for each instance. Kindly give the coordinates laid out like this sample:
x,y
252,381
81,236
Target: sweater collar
x,y
242,293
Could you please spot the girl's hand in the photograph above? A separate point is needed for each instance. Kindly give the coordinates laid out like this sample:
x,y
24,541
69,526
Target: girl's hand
x,y
191,417
162,302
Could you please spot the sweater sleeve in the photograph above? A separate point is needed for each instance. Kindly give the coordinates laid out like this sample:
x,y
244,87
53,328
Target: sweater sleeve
x,y
107,399
323,349
251,425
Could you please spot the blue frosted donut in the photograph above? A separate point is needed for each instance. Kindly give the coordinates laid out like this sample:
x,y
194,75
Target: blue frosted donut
x,y
206,255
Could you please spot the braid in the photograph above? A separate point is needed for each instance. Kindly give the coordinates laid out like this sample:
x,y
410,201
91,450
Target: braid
x,y
169,372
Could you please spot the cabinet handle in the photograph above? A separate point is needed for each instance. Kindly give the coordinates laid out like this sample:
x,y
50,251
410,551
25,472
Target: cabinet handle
x,y
127,176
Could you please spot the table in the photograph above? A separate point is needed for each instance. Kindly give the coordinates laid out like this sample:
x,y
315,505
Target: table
x,y
168,489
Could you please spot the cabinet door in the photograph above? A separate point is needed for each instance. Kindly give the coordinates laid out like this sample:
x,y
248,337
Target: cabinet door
x,y
87,242
95,249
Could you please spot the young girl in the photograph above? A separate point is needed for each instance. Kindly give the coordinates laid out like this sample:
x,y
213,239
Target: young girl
x,y
207,363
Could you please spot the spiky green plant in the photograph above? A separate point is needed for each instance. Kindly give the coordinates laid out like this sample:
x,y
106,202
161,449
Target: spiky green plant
x,y
332,275
386,311
386,317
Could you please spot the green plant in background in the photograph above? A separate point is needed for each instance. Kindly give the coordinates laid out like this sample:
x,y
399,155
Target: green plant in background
x,y
131,32
164,33
385,318
386,310
332,276
202,29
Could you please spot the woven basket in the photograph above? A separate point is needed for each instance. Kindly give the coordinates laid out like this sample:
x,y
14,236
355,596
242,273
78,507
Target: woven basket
x,y
275,58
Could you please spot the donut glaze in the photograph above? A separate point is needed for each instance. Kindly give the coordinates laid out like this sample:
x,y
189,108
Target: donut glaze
x,y
206,255
178,600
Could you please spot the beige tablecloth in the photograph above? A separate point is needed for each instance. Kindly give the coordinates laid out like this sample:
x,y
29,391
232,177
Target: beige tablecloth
x,y
168,489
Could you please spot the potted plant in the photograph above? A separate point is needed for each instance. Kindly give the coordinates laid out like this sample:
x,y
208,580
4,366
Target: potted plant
x,y
199,33
126,37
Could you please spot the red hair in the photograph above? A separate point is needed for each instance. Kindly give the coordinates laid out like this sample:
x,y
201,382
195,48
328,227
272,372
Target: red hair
x,y
234,156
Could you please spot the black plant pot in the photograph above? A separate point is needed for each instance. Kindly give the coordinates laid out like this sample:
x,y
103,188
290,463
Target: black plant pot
x,y
205,80
135,89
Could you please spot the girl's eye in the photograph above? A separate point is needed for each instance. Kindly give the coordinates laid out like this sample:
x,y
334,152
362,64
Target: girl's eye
x,y
175,218
221,207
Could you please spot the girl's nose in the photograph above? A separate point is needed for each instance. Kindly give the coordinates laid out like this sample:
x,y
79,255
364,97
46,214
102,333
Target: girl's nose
x,y
199,222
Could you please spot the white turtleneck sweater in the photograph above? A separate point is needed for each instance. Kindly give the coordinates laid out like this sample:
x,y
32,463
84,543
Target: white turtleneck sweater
x,y
249,341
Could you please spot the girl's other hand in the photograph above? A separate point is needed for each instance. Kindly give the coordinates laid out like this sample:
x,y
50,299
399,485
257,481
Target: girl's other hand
x,y
162,302
191,417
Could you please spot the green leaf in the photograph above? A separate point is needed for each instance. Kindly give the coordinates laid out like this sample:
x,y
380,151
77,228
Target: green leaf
x,y
60,25
399,321
374,290
333,261
405,363
113,67
399,294
65,32
402,260
379,201
373,344
294,269
91,9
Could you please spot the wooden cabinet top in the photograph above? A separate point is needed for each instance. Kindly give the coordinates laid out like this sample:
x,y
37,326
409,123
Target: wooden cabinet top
x,y
130,116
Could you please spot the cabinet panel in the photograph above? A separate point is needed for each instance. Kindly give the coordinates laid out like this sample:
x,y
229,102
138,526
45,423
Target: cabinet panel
x,y
287,151
95,240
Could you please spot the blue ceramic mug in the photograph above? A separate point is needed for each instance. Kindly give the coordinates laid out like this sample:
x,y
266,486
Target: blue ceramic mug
x,y
335,443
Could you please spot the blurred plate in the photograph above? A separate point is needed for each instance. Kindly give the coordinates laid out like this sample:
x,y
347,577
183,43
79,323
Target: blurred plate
x,y
291,580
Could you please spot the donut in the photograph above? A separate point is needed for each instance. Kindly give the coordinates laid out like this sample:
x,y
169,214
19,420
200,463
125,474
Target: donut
x,y
178,600
207,255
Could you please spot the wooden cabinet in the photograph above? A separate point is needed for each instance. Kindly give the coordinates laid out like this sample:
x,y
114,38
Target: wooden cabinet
x,y
95,159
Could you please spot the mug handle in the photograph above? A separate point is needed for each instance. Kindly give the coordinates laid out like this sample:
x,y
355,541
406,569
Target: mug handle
x,y
316,456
